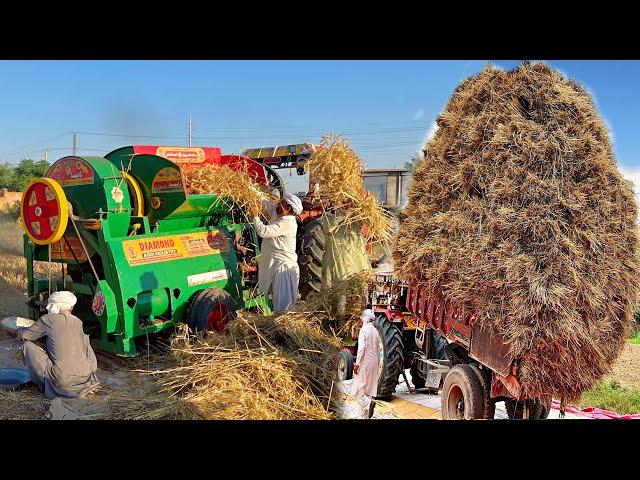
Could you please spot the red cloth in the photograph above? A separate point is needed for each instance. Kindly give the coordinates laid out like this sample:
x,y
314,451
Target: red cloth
x,y
595,413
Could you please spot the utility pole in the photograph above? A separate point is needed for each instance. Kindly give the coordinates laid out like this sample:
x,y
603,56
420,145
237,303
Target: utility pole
x,y
46,155
190,130
75,144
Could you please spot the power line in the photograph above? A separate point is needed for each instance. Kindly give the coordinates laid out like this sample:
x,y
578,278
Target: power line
x,y
25,149
343,124
373,147
262,137
127,136
39,142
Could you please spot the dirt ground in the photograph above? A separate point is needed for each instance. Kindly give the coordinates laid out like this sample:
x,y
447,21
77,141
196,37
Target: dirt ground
x,y
627,367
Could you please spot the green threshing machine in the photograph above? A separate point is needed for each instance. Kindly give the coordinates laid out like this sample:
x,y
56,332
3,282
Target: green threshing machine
x,y
139,252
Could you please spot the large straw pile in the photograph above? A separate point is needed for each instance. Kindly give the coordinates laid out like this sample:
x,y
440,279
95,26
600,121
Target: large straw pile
x,y
518,209
225,182
339,172
277,367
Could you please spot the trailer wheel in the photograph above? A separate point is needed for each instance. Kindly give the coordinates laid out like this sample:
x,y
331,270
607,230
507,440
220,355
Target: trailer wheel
x,y
462,397
310,252
538,409
211,310
485,380
345,365
393,357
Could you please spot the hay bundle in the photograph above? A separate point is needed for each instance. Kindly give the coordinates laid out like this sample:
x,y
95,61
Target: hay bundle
x,y
343,320
225,182
265,368
339,173
518,209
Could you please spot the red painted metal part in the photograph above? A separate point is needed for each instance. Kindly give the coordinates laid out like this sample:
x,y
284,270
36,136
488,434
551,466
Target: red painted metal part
x,y
40,212
218,318
192,157
182,155
308,214
394,316
457,323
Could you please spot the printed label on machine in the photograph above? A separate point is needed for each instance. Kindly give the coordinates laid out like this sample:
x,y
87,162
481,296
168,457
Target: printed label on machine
x,y
61,251
162,249
167,179
182,154
71,171
206,277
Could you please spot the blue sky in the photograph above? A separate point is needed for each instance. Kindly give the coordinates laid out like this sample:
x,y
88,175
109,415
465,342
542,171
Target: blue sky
x,y
385,108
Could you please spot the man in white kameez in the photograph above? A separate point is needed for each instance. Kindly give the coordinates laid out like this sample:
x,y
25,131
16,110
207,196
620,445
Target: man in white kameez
x,y
278,272
366,368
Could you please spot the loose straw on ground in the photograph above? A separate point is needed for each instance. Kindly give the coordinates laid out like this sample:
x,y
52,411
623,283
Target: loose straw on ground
x,y
277,367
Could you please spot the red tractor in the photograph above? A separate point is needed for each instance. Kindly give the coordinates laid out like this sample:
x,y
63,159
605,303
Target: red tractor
x,y
397,328
446,351
389,186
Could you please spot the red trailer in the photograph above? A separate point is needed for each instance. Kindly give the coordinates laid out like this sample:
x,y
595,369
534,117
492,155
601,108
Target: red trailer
x,y
477,369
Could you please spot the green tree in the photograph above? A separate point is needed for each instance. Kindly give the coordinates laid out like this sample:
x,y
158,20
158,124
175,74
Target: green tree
x,y
26,171
413,162
6,176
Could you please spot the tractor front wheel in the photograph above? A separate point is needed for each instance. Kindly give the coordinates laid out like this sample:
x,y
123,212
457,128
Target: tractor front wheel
x,y
393,357
211,311
345,365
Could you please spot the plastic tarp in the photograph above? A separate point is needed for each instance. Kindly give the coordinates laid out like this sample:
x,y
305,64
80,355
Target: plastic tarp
x,y
345,252
595,413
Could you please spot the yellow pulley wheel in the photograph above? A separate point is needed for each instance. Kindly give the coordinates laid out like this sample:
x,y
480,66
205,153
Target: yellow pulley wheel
x,y
44,211
135,193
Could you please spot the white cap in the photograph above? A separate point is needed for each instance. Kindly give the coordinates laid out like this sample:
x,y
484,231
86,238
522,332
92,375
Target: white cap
x,y
295,203
59,301
367,315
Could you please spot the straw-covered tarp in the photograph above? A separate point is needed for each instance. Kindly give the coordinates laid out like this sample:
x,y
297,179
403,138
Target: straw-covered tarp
x,y
519,210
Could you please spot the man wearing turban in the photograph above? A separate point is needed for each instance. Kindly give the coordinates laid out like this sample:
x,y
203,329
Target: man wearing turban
x,y
278,272
68,367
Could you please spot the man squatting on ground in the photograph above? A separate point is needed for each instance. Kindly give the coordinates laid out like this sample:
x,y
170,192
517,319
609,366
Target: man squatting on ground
x,y
68,367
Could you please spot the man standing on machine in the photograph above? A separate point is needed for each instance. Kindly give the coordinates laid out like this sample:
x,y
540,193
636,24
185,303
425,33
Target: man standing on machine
x,y
278,271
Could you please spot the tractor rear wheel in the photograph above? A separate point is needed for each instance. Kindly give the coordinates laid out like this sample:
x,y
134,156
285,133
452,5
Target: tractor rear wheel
x,y
310,253
538,409
393,357
462,397
345,365
211,310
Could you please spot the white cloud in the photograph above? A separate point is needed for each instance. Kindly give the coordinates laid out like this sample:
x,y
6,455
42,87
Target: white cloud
x,y
633,174
430,133
419,114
